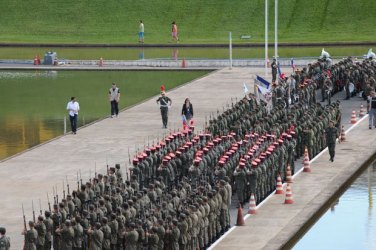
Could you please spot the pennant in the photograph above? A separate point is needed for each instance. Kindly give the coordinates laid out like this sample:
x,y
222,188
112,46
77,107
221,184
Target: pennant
x,y
245,88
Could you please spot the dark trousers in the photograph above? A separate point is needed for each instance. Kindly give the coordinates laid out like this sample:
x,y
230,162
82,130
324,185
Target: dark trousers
x,y
164,114
114,107
332,148
73,122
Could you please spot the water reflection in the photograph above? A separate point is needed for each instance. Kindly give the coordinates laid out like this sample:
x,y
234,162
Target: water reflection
x,y
350,223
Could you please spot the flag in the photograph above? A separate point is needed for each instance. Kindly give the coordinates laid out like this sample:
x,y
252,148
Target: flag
x,y
264,94
245,88
292,64
262,82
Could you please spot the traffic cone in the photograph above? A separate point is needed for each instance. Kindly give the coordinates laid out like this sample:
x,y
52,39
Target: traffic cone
x,y
306,164
305,150
353,117
279,189
240,220
289,199
100,63
184,63
252,205
343,134
362,112
288,174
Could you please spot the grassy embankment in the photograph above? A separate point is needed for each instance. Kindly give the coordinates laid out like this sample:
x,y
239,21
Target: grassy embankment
x,y
199,21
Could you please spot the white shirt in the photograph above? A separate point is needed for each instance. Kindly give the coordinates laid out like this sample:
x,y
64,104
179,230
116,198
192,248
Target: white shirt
x,y
73,108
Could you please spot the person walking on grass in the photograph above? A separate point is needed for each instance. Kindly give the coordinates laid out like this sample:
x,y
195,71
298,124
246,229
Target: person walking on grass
x,y
174,30
141,32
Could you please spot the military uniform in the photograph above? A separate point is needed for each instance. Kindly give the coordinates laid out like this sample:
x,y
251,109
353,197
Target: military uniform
x,y
164,103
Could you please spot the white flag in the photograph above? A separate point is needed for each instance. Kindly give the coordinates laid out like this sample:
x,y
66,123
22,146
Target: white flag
x,y
245,88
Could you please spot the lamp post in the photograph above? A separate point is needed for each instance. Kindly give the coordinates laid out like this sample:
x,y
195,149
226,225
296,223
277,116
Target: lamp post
x,y
266,37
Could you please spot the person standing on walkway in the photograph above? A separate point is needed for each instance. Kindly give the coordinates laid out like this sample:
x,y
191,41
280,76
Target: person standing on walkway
x,y
141,32
73,107
372,109
174,30
331,135
114,98
187,111
165,104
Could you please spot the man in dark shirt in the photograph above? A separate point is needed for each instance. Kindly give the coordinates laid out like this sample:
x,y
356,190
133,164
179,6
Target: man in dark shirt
x,y
331,135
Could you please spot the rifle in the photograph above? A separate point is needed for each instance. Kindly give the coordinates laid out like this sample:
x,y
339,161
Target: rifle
x,y
54,194
66,177
32,204
108,172
80,178
25,229
78,183
63,190
40,208
49,204
95,169
90,175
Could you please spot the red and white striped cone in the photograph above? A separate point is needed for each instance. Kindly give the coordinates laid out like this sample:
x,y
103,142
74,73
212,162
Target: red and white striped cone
x,y
305,151
289,199
307,167
343,134
288,174
362,112
353,117
279,189
252,205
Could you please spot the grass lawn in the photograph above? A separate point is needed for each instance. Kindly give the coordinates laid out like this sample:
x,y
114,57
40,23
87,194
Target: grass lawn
x,y
199,21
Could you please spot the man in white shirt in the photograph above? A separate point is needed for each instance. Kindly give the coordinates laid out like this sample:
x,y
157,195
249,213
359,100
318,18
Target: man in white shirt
x,y
114,98
73,107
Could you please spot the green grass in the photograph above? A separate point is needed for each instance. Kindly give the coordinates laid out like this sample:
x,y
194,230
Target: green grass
x,y
199,21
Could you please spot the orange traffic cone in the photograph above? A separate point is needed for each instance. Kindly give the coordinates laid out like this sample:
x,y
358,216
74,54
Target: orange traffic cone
x,y
362,112
353,117
306,164
240,220
279,189
289,199
252,205
343,134
184,63
288,174
100,63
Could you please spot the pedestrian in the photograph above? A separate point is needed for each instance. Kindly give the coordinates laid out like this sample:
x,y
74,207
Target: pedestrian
x,y
141,31
372,109
4,240
274,70
114,98
174,30
164,103
73,107
331,135
187,112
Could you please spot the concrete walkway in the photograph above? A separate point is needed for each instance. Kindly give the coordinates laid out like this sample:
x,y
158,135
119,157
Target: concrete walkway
x,y
31,174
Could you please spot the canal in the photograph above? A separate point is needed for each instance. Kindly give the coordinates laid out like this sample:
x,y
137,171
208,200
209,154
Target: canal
x,y
141,53
350,222
33,103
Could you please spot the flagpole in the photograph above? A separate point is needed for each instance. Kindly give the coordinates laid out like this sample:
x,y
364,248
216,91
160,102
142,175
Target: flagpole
x,y
266,37
276,31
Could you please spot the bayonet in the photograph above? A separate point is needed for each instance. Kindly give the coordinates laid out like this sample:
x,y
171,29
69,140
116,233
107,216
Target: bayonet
x,y
32,204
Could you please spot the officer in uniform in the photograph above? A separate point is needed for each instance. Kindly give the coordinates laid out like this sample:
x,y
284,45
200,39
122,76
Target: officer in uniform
x,y
331,135
31,237
164,103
